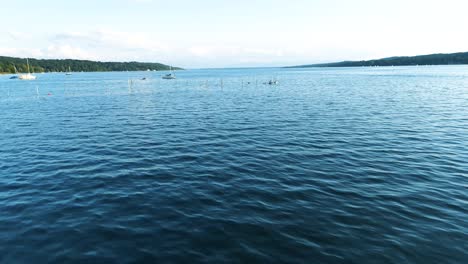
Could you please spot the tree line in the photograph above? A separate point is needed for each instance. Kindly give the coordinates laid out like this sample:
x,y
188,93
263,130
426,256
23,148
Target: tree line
x,y
432,59
8,65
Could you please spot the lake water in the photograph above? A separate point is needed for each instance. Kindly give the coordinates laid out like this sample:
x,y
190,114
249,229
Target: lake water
x,y
347,165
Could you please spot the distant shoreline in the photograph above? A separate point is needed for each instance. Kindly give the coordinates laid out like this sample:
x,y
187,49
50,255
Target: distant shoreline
x,y
372,66
9,73
460,58
13,64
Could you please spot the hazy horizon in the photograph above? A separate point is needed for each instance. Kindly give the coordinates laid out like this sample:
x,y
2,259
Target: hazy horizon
x,y
214,34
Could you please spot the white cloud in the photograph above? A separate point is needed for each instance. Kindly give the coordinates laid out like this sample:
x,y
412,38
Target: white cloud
x,y
8,51
21,52
68,51
112,45
111,38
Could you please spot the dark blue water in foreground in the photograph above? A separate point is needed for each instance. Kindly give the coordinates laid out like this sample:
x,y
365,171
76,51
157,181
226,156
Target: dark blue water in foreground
x,y
364,165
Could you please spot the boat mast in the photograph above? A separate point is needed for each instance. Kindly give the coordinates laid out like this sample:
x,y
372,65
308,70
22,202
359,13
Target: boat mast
x,y
27,61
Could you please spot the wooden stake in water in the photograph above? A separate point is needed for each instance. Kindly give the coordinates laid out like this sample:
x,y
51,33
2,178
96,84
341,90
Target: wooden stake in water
x,y
130,84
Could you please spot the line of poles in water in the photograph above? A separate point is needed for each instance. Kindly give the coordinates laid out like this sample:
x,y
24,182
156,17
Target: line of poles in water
x,y
138,85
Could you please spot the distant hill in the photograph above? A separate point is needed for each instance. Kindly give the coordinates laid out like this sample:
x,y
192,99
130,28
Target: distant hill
x,y
432,59
8,64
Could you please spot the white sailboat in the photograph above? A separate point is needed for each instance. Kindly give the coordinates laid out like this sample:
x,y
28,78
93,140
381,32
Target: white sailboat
x,y
169,76
28,76
69,71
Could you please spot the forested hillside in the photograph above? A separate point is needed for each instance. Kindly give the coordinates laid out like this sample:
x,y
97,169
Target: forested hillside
x,y
8,64
433,59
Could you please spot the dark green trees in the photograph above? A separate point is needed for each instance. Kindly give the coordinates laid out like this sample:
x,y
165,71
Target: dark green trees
x,y
7,65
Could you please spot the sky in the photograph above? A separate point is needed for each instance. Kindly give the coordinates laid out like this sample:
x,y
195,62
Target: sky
x,y
231,33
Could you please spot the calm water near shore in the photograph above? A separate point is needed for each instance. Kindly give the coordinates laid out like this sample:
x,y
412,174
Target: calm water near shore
x,y
338,165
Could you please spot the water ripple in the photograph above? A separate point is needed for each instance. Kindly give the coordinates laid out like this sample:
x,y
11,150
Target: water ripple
x,y
331,166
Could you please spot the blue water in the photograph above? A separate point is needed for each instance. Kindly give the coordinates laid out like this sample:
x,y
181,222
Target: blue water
x,y
351,165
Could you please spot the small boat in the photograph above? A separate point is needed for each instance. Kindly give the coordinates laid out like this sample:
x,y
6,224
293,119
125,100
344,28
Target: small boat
x,y
272,82
169,76
28,76
16,74
69,71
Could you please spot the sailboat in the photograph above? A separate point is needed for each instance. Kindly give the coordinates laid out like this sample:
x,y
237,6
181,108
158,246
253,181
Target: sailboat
x,y
169,76
69,71
16,73
28,76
